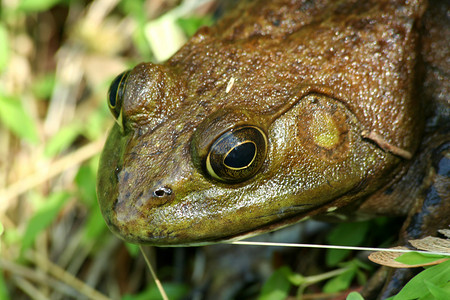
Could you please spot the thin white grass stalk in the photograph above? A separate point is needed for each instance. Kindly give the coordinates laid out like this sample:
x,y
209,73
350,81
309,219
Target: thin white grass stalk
x,y
248,243
155,278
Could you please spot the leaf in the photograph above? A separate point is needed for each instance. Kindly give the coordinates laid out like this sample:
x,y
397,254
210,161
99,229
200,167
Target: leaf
x,y
95,226
414,259
347,234
95,126
3,288
340,282
420,259
43,86
4,47
14,116
86,183
295,278
416,287
276,287
1,233
164,36
190,25
354,296
445,232
132,249
37,5
62,140
431,243
43,217
173,290
438,292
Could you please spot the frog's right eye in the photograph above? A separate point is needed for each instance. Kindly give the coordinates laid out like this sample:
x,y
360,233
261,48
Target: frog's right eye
x,y
237,154
116,93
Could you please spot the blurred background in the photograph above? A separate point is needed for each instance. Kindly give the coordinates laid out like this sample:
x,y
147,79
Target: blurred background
x,y
57,59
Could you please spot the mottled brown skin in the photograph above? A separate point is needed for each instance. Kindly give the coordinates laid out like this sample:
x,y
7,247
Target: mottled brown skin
x,y
312,75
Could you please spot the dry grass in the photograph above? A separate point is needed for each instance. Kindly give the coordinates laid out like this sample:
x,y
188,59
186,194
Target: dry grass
x,y
56,63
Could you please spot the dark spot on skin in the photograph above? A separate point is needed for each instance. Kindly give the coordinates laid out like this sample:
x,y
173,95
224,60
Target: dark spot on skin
x,y
433,198
276,23
112,225
389,191
442,162
115,204
126,176
415,228
397,281
444,167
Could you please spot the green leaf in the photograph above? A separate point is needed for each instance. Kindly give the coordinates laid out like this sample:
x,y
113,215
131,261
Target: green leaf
x,y
43,217
295,278
340,282
438,292
14,116
62,140
174,291
97,123
37,5
86,183
132,249
1,233
438,275
4,294
347,234
4,47
414,258
192,24
43,87
95,226
276,287
354,296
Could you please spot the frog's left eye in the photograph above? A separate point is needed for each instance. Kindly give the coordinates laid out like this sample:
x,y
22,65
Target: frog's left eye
x,y
237,154
115,94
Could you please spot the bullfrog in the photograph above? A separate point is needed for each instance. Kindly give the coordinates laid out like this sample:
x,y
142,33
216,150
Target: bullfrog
x,y
283,111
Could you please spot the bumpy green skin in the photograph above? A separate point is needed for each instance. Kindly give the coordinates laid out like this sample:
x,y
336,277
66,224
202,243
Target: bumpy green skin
x,y
312,76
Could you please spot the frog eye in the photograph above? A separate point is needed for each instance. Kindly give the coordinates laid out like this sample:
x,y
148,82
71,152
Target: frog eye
x,y
115,95
237,154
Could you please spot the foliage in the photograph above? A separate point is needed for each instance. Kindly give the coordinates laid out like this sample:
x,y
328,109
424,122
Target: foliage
x,y
431,283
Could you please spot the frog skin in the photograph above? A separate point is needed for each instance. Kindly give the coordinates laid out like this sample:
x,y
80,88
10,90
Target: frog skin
x,y
261,121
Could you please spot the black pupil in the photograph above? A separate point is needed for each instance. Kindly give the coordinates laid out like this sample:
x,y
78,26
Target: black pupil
x,y
241,155
113,91
115,88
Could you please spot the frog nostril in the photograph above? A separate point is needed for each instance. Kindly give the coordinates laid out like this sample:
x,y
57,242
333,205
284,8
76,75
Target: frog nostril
x,y
162,191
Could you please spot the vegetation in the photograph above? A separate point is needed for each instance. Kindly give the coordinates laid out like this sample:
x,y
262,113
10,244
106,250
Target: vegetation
x,y
57,58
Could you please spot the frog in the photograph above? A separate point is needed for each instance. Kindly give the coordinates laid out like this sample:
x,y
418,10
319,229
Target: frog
x,y
280,112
